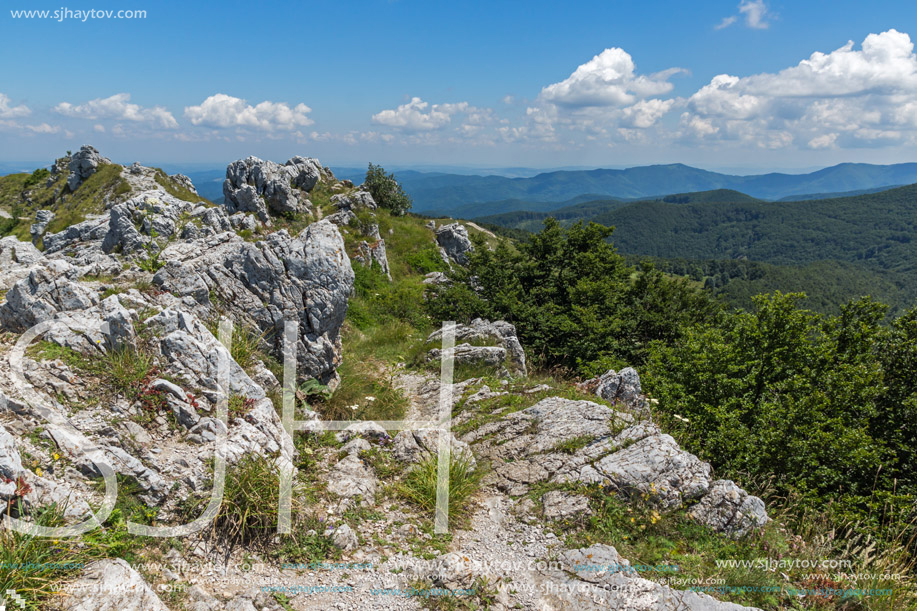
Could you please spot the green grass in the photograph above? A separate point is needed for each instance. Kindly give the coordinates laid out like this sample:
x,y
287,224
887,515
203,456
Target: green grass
x,y
176,190
419,486
90,197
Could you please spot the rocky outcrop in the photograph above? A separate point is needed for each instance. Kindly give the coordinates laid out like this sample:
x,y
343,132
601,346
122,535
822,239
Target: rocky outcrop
x,y
454,241
110,585
42,294
263,187
355,200
16,260
370,253
307,278
84,164
729,509
418,444
507,352
42,219
621,388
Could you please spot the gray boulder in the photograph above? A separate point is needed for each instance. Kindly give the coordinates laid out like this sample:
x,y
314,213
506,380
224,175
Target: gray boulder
x,y
413,446
307,278
499,332
561,505
16,260
369,253
454,241
258,186
729,509
110,585
43,293
622,388
84,164
10,463
354,201
42,219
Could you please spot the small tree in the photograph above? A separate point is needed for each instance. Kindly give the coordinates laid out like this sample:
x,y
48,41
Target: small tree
x,y
386,190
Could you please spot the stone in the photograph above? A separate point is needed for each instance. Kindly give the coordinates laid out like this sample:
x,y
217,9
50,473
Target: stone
x,y
84,163
354,201
499,332
344,538
369,253
621,388
254,185
367,429
560,505
184,182
350,477
110,585
728,509
42,294
413,446
454,241
658,467
10,463
43,218
16,260
307,279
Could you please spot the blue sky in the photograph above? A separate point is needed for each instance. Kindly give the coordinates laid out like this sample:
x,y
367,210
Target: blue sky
x,y
713,84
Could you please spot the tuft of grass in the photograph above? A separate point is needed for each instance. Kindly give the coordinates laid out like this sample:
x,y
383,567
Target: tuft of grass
x,y
571,446
419,485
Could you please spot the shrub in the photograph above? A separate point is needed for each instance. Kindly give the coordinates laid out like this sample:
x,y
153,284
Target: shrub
x,y
386,190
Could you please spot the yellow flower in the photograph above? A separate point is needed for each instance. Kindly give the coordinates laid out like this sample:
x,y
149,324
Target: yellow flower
x,y
632,520
55,456
38,471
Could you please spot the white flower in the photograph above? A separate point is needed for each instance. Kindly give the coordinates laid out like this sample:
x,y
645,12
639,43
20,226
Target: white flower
x,y
370,399
682,418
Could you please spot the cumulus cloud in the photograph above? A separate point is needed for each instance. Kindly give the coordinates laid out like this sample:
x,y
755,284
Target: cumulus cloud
x,y
757,15
417,115
851,95
608,79
11,112
118,107
224,111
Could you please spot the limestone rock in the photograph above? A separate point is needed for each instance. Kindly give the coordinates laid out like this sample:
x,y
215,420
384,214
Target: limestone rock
x,y
42,219
254,185
415,445
621,387
344,538
454,241
110,585
560,505
356,200
10,463
729,509
498,332
84,163
350,477
307,279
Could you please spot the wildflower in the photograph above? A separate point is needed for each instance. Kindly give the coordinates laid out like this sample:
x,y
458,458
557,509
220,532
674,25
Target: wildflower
x,y
55,456
370,399
38,471
682,418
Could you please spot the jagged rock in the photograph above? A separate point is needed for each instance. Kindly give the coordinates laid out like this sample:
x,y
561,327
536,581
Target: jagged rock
x,y
436,279
453,239
373,253
88,231
367,429
42,219
84,164
341,218
43,293
110,585
10,463
729,509
242,222
560,505
16,260
591,589
356,445
622,388
350,478
118,326
254,185
658,467
466,354
344,538
413,446
499,332
136,169
356,200
307,278
183,181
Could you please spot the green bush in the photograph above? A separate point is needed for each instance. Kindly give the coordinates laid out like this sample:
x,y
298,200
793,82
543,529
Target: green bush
x,y
386,190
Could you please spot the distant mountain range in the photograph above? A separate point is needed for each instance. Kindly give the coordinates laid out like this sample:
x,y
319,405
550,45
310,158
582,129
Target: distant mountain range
x,y
465,196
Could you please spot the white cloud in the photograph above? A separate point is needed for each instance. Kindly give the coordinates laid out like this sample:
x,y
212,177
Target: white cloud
x,y
645,113
755,12
607,79
118,107
417,115
224,111
847,95
824,141
99,128
43,128
508,99
12,112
